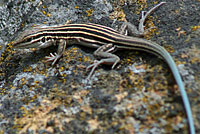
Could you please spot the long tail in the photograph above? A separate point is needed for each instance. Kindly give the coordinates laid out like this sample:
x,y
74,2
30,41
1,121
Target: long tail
x,y
152,47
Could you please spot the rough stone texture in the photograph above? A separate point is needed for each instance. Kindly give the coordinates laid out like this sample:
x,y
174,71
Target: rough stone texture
x,y
138,96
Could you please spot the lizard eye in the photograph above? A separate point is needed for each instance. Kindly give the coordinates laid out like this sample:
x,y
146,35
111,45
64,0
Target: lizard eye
x,y
43,40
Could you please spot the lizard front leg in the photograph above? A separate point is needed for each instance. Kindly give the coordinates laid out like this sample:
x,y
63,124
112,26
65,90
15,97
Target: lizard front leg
x,y
56,56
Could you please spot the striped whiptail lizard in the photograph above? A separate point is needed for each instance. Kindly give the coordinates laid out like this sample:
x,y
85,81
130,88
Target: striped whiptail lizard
x,y
105,40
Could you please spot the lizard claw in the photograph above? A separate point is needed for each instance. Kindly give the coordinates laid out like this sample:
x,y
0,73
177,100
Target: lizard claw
x,y
52,57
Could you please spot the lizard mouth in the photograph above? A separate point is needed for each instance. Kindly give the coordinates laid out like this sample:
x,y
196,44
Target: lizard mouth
x,y
20,45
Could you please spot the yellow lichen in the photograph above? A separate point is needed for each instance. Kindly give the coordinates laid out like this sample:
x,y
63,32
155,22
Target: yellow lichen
x,y
89,12
194,28
142,5
29,69
62,68
170,49
48,15
7,50
44,12
44,6
37,118
118,14
85,58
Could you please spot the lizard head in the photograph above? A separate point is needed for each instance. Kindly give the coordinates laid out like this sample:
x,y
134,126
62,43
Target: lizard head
x,y
31,38
25,39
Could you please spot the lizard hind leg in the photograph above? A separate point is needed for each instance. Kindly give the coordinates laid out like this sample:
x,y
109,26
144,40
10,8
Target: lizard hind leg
x,y
108,58
132,30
